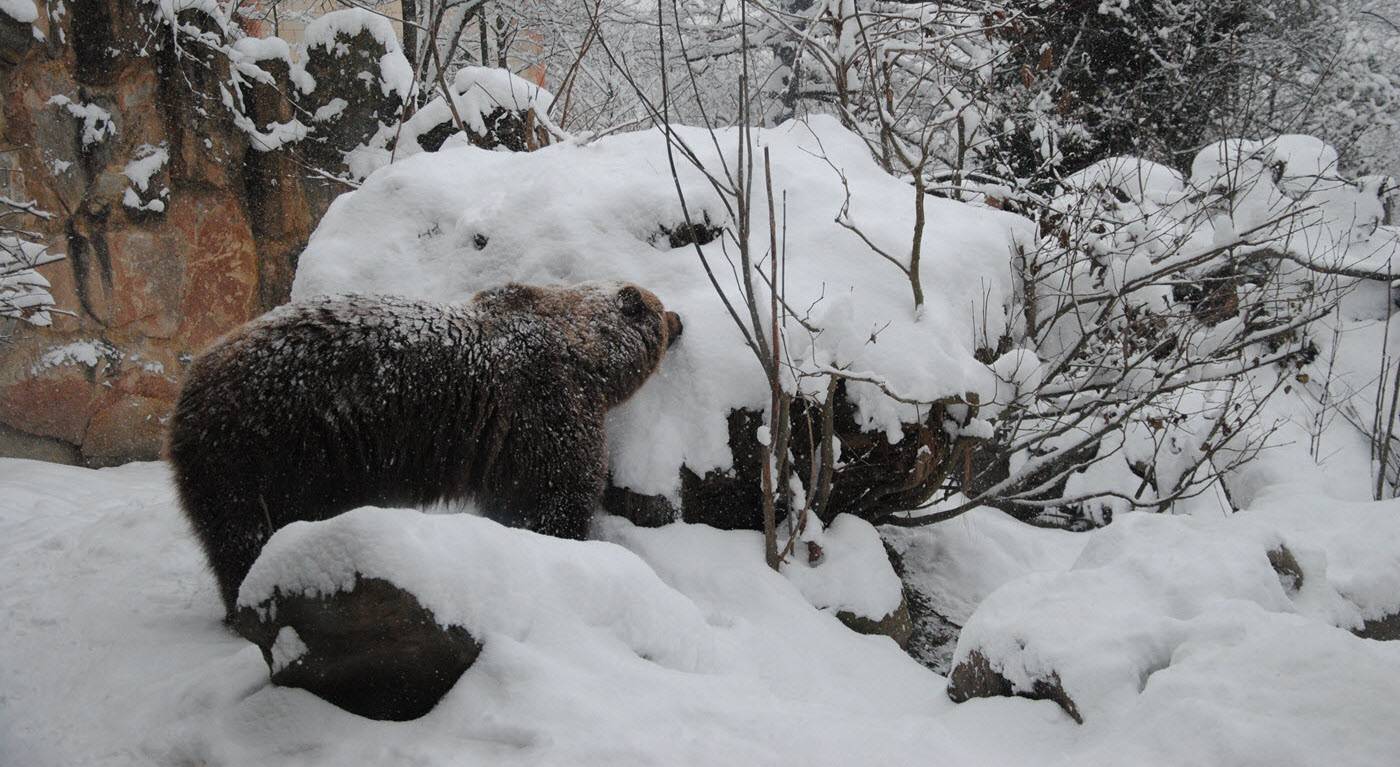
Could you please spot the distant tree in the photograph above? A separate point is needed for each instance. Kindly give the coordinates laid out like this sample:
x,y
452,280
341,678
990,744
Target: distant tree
x,y
1331,69
1083,80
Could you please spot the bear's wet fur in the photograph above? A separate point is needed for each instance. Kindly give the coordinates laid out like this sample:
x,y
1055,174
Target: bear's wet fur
x,y
323,406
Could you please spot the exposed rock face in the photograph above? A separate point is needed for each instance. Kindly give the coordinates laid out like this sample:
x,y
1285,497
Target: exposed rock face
x,y
976,678
149,286
873,477
373,650
897,625
175,227
1385,629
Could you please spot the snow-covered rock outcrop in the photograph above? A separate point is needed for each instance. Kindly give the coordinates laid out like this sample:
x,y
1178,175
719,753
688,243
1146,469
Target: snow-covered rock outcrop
x,y
387,607
446,224
1159,597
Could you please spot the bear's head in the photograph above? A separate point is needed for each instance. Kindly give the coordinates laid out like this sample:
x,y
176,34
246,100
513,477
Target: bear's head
x,y
618,332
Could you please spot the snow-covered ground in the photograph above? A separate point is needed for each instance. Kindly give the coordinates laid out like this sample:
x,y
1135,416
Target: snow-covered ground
x,y
1176,637
112,651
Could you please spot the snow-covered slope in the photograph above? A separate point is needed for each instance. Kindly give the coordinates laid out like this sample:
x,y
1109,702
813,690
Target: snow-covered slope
x,y
112,653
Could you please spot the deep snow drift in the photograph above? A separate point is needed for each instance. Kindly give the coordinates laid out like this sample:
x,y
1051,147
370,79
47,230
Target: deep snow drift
x,y
673,646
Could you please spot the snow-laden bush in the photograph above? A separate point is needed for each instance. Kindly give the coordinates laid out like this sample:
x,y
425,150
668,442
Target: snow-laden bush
x,y
1156,314
24,293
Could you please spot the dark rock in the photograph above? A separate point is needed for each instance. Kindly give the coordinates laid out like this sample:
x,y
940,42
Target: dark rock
x,y
15,39
373,650
729,500
932,636
1290,573
347,68
897,625
875,477
508,129
1385,629
975,678
640,510
701,232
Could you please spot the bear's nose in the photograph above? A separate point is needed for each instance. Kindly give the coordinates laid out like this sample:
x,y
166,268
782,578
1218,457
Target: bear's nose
x,y
674,328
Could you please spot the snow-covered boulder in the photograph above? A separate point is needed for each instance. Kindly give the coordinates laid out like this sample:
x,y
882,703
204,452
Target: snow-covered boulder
x,y
1287,194
844,570
1142,181
497,108
354,82
948,569
1130,596
1091,636
1347,555
381,610
445,224
1251,687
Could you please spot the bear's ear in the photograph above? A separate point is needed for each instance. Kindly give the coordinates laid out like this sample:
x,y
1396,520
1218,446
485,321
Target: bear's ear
x,y
630,301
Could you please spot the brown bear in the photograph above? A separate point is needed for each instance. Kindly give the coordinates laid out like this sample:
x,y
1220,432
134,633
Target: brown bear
x,y
322,406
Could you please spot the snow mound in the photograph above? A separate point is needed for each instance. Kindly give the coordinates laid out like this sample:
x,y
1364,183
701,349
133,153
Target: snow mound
x,y
1349,552
958,563
1249,687
327,29
23,11
476,93
112,652
854,573
1103,626
1142,180
444,225
255,49
491,580
1147,586
1288,187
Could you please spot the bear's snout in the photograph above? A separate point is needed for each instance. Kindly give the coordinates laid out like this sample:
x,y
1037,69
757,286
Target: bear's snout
x,y
674,328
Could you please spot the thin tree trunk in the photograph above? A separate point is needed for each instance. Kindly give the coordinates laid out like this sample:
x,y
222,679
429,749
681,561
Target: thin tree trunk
x,y
410,29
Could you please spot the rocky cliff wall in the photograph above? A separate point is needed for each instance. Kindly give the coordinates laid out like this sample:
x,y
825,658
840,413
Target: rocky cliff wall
x,y
184,172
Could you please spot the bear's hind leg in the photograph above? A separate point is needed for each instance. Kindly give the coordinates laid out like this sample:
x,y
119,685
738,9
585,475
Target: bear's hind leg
x,y
232,531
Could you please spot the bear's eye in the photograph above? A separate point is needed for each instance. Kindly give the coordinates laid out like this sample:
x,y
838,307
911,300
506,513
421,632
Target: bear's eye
x,y
630,301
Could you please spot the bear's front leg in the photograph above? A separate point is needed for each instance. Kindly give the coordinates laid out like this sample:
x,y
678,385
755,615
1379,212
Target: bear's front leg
x,y
556,488
563,514
555,505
